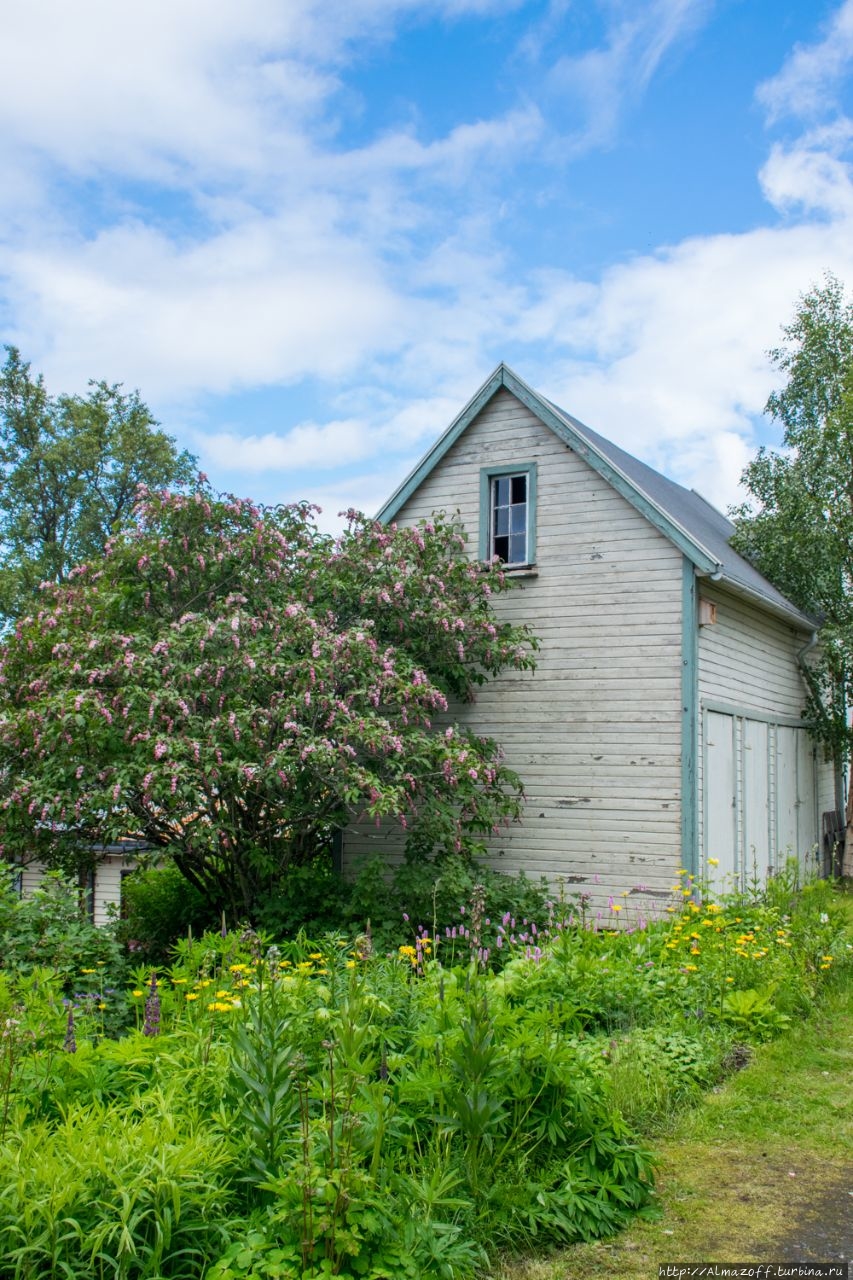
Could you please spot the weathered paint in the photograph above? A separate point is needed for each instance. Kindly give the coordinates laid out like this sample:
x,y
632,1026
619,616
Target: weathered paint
x,y
689,717
596,732
749,676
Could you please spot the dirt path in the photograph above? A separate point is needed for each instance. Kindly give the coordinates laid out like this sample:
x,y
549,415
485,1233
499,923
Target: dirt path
x,y
762,1172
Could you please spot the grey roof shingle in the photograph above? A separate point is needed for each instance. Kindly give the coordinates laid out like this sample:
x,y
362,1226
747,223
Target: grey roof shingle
x,y
700,531
699,519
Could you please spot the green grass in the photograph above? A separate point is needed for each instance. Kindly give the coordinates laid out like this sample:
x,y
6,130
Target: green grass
x,y
754,1157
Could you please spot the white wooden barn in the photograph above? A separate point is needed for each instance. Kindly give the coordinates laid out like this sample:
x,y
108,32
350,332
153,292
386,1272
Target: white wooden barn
x,y
100,888
663,724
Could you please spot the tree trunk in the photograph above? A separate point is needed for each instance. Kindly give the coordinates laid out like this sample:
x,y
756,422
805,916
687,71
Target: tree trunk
x,y
847,862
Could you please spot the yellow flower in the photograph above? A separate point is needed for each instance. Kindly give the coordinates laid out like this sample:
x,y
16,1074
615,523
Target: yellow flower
x,y
691,968
682,871
137,993
315,955
178,981
729,979
223,995
219,1006
87,970
713,862
285,964
694,951
707,924
407,951
350,964
695,935
102,1005
238,968
824,966
191,995
827,959
617,906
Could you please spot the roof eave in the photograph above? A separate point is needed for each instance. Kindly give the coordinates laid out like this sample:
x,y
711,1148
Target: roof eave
x,y
503,376
787,613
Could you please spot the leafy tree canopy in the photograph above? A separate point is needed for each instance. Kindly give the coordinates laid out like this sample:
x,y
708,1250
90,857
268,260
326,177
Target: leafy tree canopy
x,y
69,470
797,526
231,685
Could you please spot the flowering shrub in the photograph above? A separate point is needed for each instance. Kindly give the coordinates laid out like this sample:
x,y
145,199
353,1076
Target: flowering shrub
x,y
231,685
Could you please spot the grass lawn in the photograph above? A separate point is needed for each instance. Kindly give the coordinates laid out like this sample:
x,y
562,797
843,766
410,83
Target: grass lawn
x,y
768,1152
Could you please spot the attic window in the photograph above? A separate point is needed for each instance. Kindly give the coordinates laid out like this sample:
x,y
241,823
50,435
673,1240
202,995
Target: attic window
x,y
508,514
509,518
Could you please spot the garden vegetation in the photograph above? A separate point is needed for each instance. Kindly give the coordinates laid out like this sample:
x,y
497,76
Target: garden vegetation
x,y
328,1107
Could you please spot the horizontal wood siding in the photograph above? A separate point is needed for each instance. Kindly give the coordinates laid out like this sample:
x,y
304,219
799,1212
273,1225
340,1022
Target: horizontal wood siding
x,y
748,662
749,658
595,731
107,897
108,886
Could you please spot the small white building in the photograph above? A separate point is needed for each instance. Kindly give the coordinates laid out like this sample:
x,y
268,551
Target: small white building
x,y
664,723
100,888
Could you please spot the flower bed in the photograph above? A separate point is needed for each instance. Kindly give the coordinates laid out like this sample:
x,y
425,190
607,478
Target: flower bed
x,y
315,1108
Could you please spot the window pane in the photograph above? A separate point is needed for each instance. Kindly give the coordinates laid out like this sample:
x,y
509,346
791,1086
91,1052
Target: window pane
x,y
517,549
519,518
502,520
501,491
502,548
519,489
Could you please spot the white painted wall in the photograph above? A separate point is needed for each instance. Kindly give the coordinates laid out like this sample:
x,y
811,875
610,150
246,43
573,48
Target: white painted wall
x,y
766,799
107,883
595,731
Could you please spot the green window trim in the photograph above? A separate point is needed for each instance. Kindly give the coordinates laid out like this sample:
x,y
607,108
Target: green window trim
x,y
487,475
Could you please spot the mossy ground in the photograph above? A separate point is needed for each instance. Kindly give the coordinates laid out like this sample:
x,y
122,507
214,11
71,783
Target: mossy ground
x,y
761,1171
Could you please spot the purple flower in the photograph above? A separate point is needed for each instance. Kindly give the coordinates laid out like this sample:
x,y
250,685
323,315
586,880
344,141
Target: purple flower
x,y
70,1042
151,1026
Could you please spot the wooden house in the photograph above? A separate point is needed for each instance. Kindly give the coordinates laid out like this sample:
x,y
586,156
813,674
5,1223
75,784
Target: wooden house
x,y
663,725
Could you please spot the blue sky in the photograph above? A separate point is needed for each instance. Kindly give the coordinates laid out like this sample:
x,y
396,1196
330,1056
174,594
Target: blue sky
x,y
307,231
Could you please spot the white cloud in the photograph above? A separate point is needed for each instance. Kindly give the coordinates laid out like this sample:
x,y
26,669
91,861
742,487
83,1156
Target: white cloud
x,y
605,79
330,445
667,355
201,88
806,84
267,301
367,266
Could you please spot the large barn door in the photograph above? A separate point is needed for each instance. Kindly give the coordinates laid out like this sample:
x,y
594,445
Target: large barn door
x,y
760,796
757,836
787,798
721,794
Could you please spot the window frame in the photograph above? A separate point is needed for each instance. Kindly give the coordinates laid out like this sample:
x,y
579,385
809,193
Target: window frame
x,y
487,477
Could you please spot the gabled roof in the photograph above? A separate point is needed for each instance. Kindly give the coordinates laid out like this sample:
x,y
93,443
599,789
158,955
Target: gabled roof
x,y
696,528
